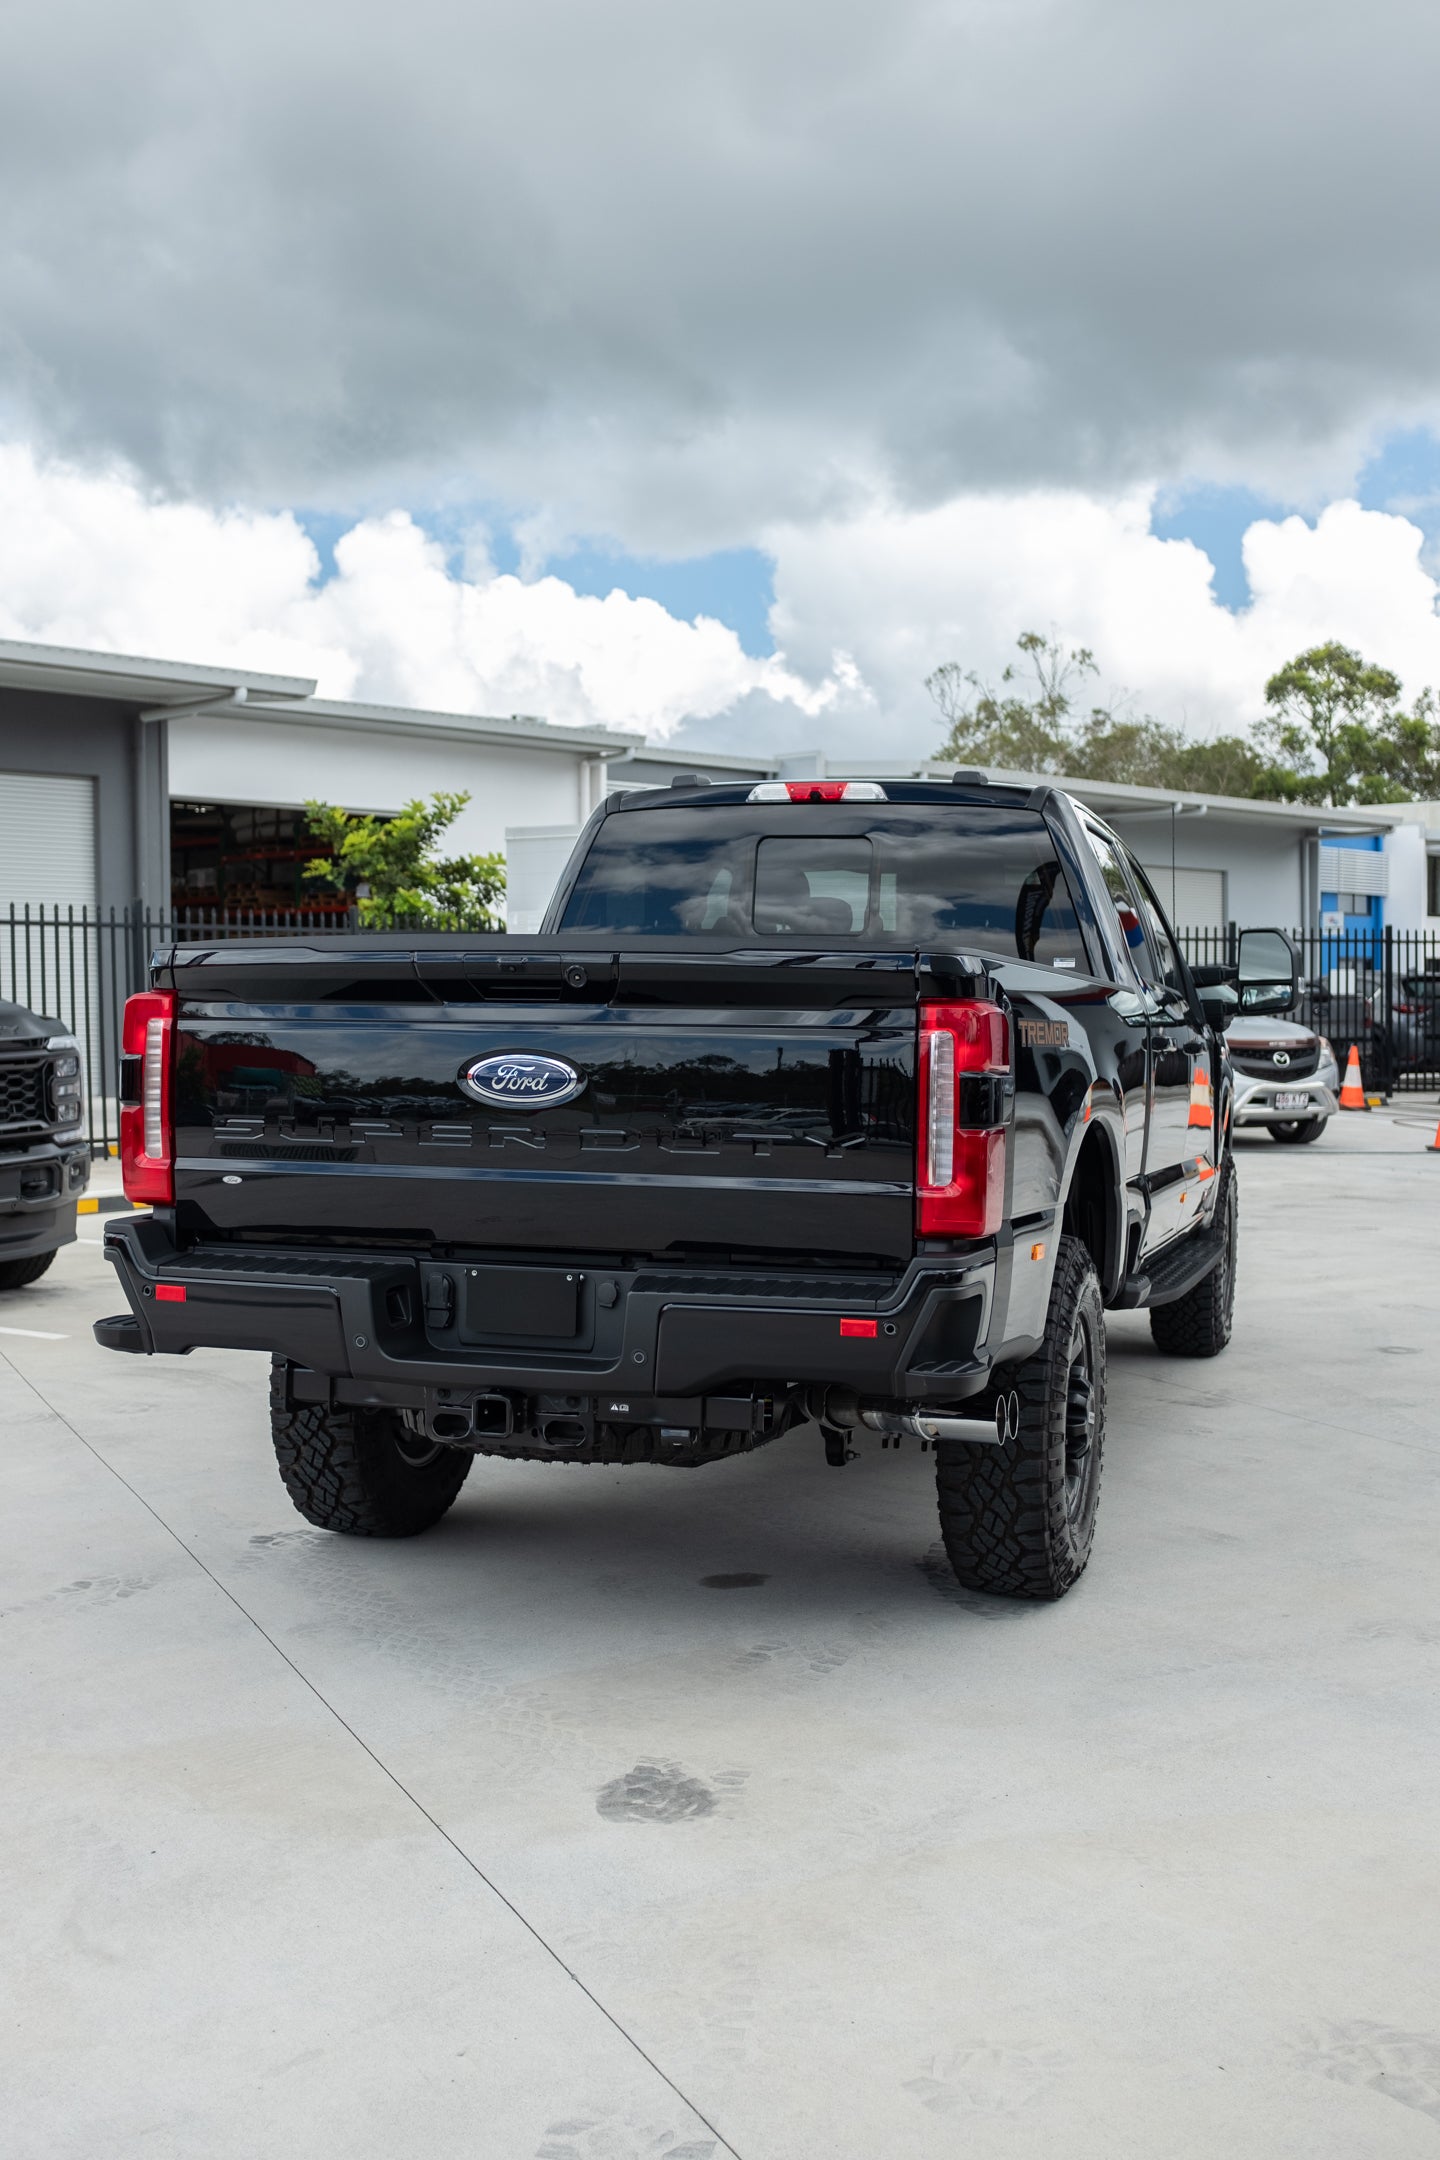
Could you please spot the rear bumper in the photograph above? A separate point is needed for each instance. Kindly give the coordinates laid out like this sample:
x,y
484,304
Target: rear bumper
x,y
38,1191
363,1320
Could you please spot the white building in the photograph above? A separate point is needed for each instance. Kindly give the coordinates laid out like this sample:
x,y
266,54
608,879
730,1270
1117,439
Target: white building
x,y
125,779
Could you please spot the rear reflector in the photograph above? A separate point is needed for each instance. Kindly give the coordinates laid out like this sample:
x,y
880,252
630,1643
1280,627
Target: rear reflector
x,y
859,1327
960,1175
818,791
170,1293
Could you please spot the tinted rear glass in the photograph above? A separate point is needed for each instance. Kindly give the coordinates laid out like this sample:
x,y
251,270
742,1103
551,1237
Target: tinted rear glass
x,y
888,875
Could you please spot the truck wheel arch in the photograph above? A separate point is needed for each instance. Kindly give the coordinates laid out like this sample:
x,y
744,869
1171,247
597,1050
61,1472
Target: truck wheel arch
x,y
1093,1207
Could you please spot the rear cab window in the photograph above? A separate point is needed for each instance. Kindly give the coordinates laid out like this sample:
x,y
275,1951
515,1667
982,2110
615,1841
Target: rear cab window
x,y
903,875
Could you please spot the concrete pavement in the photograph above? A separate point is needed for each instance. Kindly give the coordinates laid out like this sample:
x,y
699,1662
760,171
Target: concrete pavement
x,y
677,1815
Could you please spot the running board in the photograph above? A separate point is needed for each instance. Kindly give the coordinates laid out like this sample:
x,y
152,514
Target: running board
x,y
1174,1271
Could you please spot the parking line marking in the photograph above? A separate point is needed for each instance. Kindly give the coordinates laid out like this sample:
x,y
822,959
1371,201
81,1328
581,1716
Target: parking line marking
x,y
34,1334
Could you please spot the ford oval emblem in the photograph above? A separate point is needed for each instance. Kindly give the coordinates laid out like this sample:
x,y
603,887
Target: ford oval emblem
x,y
521,1080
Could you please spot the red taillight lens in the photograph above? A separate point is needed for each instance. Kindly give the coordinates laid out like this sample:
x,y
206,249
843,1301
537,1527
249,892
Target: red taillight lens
x,y
960,1180
147,1139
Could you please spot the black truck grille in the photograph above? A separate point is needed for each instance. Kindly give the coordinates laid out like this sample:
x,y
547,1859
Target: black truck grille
x,y
1261,1064
22,1094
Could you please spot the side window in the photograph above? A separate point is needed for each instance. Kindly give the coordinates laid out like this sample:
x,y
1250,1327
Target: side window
x,y
1163,970
1122,898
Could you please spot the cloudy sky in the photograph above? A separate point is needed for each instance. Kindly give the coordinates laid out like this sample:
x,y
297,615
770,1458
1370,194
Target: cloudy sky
x,y
722,368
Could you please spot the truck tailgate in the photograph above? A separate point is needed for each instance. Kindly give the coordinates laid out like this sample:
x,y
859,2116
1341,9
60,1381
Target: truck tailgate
x,y
320,1094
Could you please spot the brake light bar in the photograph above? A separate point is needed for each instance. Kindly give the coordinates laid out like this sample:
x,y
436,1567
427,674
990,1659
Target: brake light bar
x,y
147,1138
818,791
964,1060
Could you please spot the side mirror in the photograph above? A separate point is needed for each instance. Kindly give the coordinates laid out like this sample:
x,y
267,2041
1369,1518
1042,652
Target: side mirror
x,y
1268,974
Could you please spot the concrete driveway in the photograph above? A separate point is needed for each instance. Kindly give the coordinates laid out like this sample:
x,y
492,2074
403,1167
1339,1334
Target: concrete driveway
x,y
634,1816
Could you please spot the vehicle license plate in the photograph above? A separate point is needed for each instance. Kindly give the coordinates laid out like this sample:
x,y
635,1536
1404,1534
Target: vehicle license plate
x,y
1291,1100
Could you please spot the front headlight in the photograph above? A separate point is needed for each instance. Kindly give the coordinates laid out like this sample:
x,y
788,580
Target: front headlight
x,y
1327,1053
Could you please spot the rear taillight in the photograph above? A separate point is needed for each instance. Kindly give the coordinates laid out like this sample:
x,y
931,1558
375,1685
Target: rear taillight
x,y
147,1139
964,1063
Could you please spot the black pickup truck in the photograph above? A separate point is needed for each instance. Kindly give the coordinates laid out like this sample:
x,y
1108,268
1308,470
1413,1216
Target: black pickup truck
x,y
839,1105
44,1156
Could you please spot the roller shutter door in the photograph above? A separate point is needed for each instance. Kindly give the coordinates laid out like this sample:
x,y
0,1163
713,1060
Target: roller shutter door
x,y
1193,899
47,841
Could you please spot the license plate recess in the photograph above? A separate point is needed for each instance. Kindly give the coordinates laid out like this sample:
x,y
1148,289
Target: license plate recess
x,y
504,1304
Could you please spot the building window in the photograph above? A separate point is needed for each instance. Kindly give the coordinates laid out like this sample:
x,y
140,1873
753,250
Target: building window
x,y
1432,884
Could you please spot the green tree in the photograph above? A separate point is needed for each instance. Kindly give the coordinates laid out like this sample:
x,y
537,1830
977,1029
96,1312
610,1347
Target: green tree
x,y
389,866
1028,722
1019,723
1335,733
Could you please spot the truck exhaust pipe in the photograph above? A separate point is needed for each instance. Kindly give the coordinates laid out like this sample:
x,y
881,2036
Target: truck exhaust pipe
x,y
993,1431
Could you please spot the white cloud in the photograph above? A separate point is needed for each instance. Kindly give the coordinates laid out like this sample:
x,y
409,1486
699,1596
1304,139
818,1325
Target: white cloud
x,y
865,606
90,560
903,591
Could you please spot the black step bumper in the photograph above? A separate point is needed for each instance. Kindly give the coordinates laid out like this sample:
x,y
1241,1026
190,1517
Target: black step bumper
x,y
921,1336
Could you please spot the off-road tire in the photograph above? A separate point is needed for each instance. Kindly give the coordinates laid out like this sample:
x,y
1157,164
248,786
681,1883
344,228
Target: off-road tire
x,y
15,1274
361,1472
1019,1520
1199,1324
1298,1132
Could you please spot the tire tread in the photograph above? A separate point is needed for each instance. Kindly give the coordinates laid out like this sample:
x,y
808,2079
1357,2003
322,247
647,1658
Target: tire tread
x,y
341,1470
1199,1325
1003,1515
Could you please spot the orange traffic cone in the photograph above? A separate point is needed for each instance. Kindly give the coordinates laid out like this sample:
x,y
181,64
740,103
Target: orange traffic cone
x,y
1201,1111
1352,1094
1434,1145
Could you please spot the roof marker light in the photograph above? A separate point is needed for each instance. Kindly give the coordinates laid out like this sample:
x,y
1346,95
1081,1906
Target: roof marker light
x,y
825,791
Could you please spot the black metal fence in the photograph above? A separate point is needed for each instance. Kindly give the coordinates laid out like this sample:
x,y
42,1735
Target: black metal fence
x,y
78,966
1379,991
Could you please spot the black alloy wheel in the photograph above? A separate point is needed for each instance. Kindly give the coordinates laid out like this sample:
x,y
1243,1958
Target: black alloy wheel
x,y
1019,1519
1082,1458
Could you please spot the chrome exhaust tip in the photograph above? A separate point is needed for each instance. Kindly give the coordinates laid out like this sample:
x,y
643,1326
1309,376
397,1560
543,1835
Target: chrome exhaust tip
x,y
995,1431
